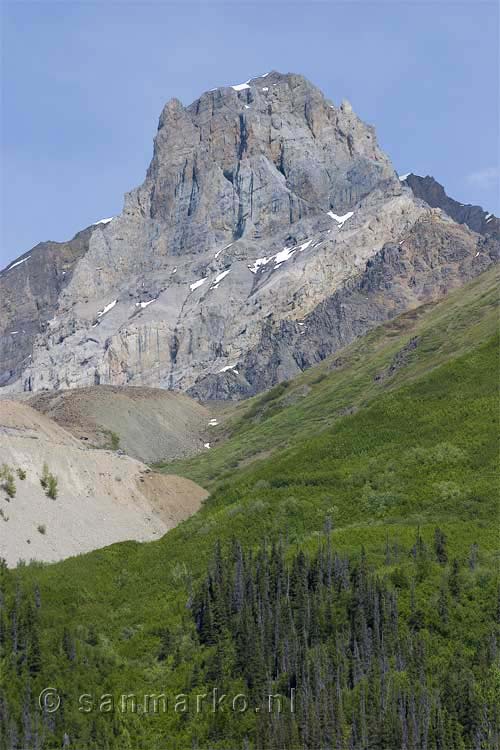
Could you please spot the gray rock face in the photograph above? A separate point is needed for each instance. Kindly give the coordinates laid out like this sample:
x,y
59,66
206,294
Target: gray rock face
x,y
263,203
29,291
435,257
476,218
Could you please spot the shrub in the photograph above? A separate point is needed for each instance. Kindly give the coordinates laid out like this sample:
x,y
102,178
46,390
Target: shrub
x,y
44,479
41,528
52,487
7,480
49,482
267,398
319,378
21,474
112,440
115,441
262,484
448,491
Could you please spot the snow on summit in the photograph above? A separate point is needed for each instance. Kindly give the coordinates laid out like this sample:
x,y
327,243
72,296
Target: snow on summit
x,y
241,86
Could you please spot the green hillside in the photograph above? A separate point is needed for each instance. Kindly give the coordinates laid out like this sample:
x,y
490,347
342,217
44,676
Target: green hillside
x,y
349,551
388,357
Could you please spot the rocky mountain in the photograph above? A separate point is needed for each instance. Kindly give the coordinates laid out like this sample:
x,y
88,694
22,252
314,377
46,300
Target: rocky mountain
x,y
434,194
270,229
29,293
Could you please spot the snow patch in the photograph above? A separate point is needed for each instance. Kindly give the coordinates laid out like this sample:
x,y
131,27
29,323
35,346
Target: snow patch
x,y
107,309
241,86
265,88
13,333
229,367
258,264
222,249
403,177
213,423
142,305
280,257
219,278
283,255
197,284
206,445
103,221
304,246
18,263
341,220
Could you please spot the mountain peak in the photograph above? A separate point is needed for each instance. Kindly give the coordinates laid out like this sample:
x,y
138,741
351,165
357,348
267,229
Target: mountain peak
x,y
274,85
273,138
263,199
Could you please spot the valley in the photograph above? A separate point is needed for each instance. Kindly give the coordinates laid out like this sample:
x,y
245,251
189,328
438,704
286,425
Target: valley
x,y
382,460
249,449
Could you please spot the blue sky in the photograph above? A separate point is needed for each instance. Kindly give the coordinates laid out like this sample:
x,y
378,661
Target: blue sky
x,y
83,85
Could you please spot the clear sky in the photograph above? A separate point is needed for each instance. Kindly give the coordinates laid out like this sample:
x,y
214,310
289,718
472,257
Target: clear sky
x,y
83,84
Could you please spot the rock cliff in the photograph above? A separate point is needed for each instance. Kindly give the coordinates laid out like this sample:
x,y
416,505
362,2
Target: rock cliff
x,y
270,229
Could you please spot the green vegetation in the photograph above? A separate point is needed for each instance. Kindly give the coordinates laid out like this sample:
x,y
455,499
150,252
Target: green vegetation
x,y
41,528
349,548
51,487
7,481
44,479
376,668
21,473
49,482
349,380
113,439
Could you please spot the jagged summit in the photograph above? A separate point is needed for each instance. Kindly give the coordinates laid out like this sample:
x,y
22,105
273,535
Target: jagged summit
x,y
261,156
263,83
267,218
433,193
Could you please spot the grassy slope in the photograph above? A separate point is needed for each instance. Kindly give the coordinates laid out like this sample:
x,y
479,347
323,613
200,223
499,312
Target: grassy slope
x,y
420,450
315,400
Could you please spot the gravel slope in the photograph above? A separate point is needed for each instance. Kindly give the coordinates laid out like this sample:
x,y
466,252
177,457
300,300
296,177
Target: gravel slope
x,y
150,423
102,497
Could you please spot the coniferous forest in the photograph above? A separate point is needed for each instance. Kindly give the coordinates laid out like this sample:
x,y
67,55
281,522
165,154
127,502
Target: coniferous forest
x,y
331,654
